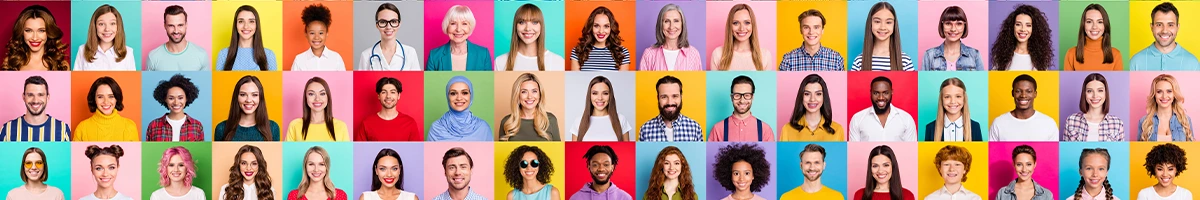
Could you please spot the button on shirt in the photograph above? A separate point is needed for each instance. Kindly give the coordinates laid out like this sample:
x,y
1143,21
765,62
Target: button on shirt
x,y
400,61
865,126
953,131
683,129
328,61
742,130
106,60
1151,59
944,194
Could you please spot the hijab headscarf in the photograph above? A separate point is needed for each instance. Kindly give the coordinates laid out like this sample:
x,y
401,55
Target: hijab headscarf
x,y
460,125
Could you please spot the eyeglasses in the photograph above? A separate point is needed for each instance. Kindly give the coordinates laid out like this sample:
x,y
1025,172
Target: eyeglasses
x,y
527,164
742,95
385,23
34,164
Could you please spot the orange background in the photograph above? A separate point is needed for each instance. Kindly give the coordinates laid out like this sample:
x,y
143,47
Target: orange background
x,y
223,156
552,88
624,11
222,93
131,88
339,38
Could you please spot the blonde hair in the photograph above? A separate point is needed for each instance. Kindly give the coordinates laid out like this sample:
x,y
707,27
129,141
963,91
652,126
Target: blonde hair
x,y
1176,108
727,49
458,12
941,114
527,12
304,180
93,42
541,122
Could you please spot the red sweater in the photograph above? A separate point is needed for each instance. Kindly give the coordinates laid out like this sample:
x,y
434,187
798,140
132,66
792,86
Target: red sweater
x,y
401,128
883,196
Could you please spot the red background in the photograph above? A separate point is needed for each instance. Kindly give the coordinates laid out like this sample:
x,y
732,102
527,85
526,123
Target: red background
x,y
904,91
623,176
62,16
411,101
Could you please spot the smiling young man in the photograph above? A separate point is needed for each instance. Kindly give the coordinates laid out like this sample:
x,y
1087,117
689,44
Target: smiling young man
x,y
35,124
388,124
812,163
812,56
670,125
601,162
177,54
882,122
742,125
1024,123
458,165
1164,54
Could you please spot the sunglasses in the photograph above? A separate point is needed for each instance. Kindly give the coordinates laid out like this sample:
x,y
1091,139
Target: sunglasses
x,y
34,164
527,164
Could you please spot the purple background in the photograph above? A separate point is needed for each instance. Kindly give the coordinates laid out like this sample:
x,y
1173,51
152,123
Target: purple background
x,y
716,191
410,155
1072,84
999,10
693,13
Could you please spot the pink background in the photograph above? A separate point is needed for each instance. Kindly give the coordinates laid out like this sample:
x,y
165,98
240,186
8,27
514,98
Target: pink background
x,y
482,175
481,35
718,13
199,25
858,162
977,26
12,105
1002,171
789,86
339,88
1139,88
129,175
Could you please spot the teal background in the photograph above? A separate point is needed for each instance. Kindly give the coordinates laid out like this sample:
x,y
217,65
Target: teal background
x,y
1118,172
131,16
482,106
201,109
58,164
929,92
552,16
647,152
1069,13
340,165
906,16
720,104
152,153
791,176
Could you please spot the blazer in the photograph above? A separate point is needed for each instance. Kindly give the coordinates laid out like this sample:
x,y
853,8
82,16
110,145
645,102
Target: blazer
x,y
478,58
976,133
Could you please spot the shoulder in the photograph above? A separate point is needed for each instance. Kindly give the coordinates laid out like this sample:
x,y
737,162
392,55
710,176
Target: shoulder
x,y
162,49
293,194
505,118
445,48
273,124
296,123
551,116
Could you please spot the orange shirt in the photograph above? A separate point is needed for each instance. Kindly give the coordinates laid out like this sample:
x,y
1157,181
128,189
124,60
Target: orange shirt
x,y
1093,58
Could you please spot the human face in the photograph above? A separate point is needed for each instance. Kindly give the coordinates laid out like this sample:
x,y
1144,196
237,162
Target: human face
x,y
953,99
388,171
672,25
1023,28
35,34
601,27
670,99
34,167
1093,24
387,32
953,30
1024,164
601,167
248,96
1096,94
743,98
529,29
1165,173
460,96
881,96
316,32
458,172
176,100
881,169
104,170
107,27
1164,94
35,97
882,24
600,96
530,172
813,165
316,167
812,30
1023,94
246,25
530,95
248,165
176,26
672,166
106,102
316,96
459,30
741,25
388,96
743,175
952,171
814,98
176,168
1094,171
1165,26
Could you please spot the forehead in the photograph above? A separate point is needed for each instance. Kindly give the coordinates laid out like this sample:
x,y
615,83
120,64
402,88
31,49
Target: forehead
x,y
1161,16
669,88
742,87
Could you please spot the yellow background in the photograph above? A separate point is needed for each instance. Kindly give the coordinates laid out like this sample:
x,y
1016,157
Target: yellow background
x,y
269,14
552,87
554,150
1140,35
977,178
693,97
788,24
1138,177
1002,99
223,83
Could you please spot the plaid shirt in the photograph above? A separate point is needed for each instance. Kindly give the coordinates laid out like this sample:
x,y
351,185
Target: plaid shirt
x,y
684,129
160,130
1076,128
826,60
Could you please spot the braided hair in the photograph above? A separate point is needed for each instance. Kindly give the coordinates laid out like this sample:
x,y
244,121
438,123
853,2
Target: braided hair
x,y
1108,162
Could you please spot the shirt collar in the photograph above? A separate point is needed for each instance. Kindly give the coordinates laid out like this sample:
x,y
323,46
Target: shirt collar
x,y
892,110
1090,196
378,50
1174,52
109,51
961,190
956,123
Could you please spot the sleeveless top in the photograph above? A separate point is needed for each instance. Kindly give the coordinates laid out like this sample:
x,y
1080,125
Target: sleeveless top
x,y
371,195
542,194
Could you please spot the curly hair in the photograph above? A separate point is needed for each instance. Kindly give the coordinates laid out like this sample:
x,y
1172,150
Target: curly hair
x,y
55,55
190,91
588,39
1040,44
234,189
112,85
512,172
751,154
657,177
164,163
1166,154
957,153
316,13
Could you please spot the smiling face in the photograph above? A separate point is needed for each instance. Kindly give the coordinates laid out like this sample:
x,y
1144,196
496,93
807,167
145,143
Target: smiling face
x,y
743,175
106,102
1094,171
952,171
881,169
1093,24
813,165
458,172
883,22
600,95
104,170
176,100
670,98
460,96
34,166
953,99
106,27
601,27
743,98
387,32
672,166
530,95
529,173
248,166
247,24
1165,174
601,167
248,96
812,30
953,30
176,169
176,26
529,29
35,97
1164,95
315,33
316,96
741,26
881,96
459,30
1164,27
388,171
1096,94
316,168
34,34
814,98
672,25
388,96
1023,28
1024,164
1023,94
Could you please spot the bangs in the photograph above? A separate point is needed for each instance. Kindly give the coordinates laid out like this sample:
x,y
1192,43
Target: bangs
x,y
953,14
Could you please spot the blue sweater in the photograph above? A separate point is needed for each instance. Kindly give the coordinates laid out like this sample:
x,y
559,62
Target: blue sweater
x,y
244,60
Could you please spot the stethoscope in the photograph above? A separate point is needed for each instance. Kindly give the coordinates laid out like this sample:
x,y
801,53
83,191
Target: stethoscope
x,y
376,56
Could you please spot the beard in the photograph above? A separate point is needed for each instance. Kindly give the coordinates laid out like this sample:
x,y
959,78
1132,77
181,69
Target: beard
x,y
741,111
596,180
885,108
807,178
670,116
181,37
35,112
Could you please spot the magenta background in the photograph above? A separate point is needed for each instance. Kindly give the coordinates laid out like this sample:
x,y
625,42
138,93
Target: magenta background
x,y
410,154
129,175
859,162
789,86
977,27
12,105
482,175
62,15
411,102
715,18
199,25
482,35
1002,171
1139,89
339,88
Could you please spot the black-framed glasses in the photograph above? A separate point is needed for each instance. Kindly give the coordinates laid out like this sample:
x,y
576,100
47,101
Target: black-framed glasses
x,y
742,95
527,164
385,23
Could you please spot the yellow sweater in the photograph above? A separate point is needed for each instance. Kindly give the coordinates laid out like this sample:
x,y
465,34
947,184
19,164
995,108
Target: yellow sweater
x,y
108,128
316,132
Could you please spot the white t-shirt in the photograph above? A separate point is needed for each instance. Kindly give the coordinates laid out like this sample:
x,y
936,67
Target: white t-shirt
x,y
176,125
1149,194
371,195
670,57
247,189
120,196
308,61
1020,62
194,194
106,60
553,62
1038,127
1093,132
600,129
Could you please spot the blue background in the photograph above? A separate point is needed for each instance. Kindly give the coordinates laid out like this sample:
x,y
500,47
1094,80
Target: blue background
x,y
58,164
131,17
720,104
791,176
201,109
648,151
906,15
340,166
1068,170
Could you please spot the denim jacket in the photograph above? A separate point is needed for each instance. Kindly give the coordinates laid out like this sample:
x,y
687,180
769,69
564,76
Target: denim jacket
x,y
1177,133
969,60
1039,192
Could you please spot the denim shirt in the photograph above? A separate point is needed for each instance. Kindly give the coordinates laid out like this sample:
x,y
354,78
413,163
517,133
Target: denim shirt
x,y
1039,192
969,60
1177,133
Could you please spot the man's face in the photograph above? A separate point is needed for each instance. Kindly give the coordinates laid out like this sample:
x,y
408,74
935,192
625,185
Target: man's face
x,y
35,97
388,96
176,26
458,172
1023,94
670,100
601,167
743,98
881,96
812,30
813,165
1164,25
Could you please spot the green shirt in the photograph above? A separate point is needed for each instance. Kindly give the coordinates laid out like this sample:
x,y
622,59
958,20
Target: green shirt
x,y
526,132
193,58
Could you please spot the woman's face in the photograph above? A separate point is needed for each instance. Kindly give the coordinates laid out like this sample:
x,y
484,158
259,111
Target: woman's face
x,y
741,25
743,175
672,166
104,170
952,171
953,99
34,167
460,96
1094,170
1164,94
601,27
315,32
882,24
530,29
316,96
1024,164
1165,173
35,34
881,169
176,168
176,100
1096,94
530,172
1023,28
388,171
954,30
248,96
249,166
316,168
387,32
600,95
106,102
814,98
459,30
1093,24
246,25
106,27
672,25
530,95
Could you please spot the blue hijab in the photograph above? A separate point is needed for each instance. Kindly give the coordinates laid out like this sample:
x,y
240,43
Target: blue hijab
x,y
460,125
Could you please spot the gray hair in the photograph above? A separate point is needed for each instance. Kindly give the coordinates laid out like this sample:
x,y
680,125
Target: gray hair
x,y
660,37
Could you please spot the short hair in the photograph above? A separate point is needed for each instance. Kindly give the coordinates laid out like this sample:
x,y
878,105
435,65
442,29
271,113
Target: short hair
x,y
952,152
1025,77
385,81
751,154
174,10
1024,149
1165,7
316,13
880,78
45,165
189,89
188,163
458,12
388,6
36,80
1166,154
811,13
669,80
112,84
743,79
810,148
512,172
953,13
456,152
598,149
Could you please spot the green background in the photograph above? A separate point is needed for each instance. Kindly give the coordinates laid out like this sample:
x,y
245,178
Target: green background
x,y
930,83
482,106
131,17
552,16
152,153
340,168
720,104
1069,14
58,163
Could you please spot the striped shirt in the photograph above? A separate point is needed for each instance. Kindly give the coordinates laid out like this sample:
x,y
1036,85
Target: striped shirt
x,y
655,59
20,130
600,59
879,63
826,60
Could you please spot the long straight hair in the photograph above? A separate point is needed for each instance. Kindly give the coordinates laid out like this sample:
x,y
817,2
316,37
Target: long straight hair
x,y
587,40
1106,38
895,187
826,110
527,13
262,180
328,116
727,49
260,53
1176,108
541,122
54,50
610,108
941,114
304,179
657,177
660,37
235,113
894,50
93,41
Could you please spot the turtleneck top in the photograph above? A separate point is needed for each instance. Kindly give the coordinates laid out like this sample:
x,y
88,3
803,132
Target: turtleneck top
x,y
1093,58
111,127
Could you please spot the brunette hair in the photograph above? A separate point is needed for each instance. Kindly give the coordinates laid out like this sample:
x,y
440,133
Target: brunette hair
x,y
826,109
55,50
190,91
1040,45
307,118
260,53
92,46
587,39
527,13
112,85
894,50
750,153
262,180
610,108
46,166
953,13
1106,40
895,187
386,152
1083,105
1108,163
235,114
512,172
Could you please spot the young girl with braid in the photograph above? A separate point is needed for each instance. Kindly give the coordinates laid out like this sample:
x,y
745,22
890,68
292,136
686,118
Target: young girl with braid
x,y
1093,176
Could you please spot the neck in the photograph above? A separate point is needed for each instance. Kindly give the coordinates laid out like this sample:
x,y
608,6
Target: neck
x,y
883,187
105,193
458,193
35,185
882,48
531,186
953,187
247,120
458,48
812,49
1165,111
388,113
600,44
176,115
741,46
953,116
600,188
175,185
671,44
951,46
105,45
383,191
176,47
317,186
529,50
813,116
1165,186
670,185
317,51
600,112
245,43
812,186
527,113
1167,48
1094,112
387,45
36,119
317,117
1023,113
742,194
741,115
1025,183
1093,190
1022,48
36,54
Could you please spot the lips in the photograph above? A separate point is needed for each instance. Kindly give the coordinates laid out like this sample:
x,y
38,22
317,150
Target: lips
x,y
106,107
35,106
458,35
176,174
810,38
248,106
881,104
601,36
1092,181
742,34
530,173
1095,101
389,33
176,107
1024,174
460,104
1165,179
528,35
1023,35
812,173
812,105
600,103
743,184
318,104
248,174
954,107
247,32
1023,102
389,180
35,44
459,180
881,176
106,180
106,35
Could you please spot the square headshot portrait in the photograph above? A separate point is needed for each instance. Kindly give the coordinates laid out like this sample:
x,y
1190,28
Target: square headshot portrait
x,y
863,37
529,29
177,97
106,168
731,160
44,159
246,36
1042,55
1088,96
823,27
1154,36
1033,113
812,108
108,106
952,169
52,16
1011,162
463,166
310,163
1088,167
451,25
946,100
247,94
668,93
530,163
451,113
605,46
951,25
741,107
317,106
1100,35
167,166
112,41
1157,98
737,23
882,93
166,42
678,29
600,106
389,106
607,166
318,36
251,163
382,27
40,110
817,165
1157,165
382,165
529,98
864,177
657,164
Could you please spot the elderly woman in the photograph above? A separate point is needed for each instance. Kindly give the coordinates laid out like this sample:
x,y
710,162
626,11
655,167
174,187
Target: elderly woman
x,y
458,54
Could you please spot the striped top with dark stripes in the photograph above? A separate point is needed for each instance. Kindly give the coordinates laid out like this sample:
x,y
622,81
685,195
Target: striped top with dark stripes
x,y
881,63
600,59
20,130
